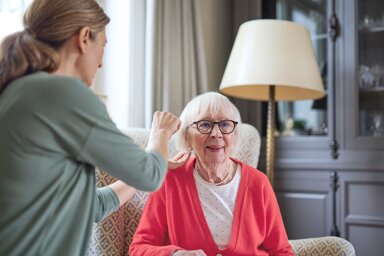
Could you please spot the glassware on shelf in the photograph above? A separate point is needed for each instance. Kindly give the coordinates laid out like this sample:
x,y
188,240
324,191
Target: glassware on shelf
x,y
376,127
372,123
370,23
366,78
378,73
371,77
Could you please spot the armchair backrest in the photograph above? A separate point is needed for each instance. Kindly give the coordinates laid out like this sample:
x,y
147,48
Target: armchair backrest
x,y
113,235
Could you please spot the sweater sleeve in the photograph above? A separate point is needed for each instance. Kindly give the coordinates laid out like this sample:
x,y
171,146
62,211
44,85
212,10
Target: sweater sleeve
x,y
109,149
276,240
151,237
82,128
106,203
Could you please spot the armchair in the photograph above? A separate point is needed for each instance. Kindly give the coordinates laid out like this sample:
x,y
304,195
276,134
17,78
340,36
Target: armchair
x,y
113,235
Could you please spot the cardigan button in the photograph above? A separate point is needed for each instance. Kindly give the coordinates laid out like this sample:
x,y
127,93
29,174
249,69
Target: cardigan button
x,y
219,254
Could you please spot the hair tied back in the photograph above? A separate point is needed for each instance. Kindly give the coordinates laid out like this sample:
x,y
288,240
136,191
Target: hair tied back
x,y
29,31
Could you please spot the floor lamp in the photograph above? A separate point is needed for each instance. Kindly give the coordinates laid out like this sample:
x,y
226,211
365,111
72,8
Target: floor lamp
x,y
272,60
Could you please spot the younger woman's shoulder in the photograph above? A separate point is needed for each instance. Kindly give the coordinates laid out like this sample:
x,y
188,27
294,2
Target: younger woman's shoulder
x,y
67,88
59,82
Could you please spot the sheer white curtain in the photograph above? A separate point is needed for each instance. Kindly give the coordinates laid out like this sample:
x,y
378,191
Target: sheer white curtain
x,y
122,77
117,62
154,59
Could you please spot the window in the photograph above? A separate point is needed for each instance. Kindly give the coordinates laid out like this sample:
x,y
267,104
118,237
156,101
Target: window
x,y
122,77
11,13
307,117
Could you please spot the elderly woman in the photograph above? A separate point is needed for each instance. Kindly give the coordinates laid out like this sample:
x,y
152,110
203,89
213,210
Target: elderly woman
x,y
214,204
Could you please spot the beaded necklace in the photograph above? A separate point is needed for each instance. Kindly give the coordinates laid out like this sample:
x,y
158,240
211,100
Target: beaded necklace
x,y
222,182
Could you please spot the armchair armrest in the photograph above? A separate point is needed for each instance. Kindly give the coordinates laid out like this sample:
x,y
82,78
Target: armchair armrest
x,y
327,245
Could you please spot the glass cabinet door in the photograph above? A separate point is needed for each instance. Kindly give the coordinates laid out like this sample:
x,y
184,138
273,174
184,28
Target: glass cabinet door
x,y
362,78
307,117
371,68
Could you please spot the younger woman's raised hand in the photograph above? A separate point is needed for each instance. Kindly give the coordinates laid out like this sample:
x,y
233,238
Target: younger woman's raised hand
x,y
180,159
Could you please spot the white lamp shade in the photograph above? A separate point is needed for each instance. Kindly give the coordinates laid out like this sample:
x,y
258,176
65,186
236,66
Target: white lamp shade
x,y
272,52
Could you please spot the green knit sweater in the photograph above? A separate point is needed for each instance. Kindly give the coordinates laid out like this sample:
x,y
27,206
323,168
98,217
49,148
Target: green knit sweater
x,y
53,132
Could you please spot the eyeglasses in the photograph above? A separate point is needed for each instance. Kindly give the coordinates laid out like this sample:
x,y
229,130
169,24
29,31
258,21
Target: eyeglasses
x,y
206,126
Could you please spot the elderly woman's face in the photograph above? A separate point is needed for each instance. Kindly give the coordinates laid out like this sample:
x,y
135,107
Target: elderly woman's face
x,y
214,147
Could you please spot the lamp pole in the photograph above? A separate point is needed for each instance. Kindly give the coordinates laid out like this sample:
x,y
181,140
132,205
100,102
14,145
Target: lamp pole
x,y
270,157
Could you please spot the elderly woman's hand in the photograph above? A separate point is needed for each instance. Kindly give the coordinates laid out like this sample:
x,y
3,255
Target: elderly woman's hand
x,y
178,160
189,253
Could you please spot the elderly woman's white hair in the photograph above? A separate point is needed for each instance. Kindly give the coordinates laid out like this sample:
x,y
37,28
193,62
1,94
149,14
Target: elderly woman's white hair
x,y
210,102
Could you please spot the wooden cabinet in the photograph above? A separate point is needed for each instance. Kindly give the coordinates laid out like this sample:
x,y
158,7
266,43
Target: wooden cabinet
x,y
305,200
354,117
362,210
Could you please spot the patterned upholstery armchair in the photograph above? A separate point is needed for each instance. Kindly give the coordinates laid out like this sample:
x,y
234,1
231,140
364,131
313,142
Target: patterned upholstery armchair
x,y
322,246
113,235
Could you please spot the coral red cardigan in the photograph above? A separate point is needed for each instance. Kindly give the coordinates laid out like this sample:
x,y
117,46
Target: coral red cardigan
x,y
173,218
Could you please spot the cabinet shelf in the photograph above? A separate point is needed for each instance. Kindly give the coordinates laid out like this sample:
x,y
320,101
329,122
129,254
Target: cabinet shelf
x,y
372,29
372,90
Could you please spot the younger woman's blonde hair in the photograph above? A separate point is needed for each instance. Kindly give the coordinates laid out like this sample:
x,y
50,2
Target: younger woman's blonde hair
x,y
48,24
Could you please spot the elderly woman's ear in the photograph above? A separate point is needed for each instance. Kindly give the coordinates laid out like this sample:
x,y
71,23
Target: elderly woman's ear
x,y
189,148
187,145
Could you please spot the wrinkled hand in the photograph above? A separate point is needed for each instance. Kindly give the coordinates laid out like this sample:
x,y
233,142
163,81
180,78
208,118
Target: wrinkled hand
x,y
189,253
165,121
178,160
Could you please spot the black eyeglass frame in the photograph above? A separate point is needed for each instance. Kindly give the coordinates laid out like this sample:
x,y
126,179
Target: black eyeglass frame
x,y
214,123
